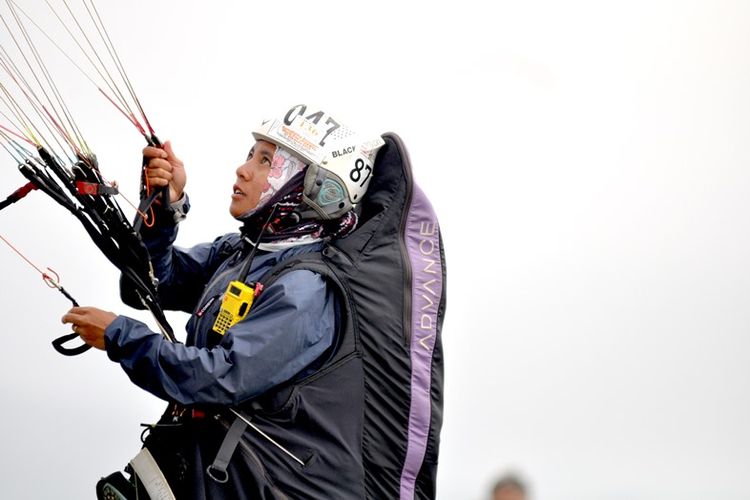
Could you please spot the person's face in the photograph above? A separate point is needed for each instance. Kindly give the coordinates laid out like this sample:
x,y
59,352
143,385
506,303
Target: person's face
x,y
509,494
252,177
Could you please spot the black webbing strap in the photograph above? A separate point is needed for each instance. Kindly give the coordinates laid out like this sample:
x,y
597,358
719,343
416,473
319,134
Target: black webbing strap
x,y
218,470
69,351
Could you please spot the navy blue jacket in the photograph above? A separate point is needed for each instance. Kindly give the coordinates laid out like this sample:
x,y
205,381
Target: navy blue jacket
x,y
291,324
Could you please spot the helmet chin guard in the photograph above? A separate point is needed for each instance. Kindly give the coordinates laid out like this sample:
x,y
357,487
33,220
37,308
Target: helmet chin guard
x,y
340,160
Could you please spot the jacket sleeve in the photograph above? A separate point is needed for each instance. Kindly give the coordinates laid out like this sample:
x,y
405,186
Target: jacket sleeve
x,y
291,325
182,273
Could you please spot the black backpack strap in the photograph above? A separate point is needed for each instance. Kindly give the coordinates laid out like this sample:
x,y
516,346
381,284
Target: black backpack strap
x,y
312,261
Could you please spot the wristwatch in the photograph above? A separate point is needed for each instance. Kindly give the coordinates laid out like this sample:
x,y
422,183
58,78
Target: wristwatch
x,y
180,208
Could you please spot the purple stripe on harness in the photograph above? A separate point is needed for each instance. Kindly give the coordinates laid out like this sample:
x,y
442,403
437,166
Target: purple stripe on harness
x,y
423,247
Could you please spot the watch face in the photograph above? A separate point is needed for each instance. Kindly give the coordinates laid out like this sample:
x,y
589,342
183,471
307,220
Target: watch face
x,y
180,208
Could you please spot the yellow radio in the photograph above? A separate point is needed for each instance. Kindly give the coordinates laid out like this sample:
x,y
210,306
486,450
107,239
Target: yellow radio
x,y
235,305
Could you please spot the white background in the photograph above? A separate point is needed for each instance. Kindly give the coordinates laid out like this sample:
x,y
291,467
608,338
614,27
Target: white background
x,y
589,164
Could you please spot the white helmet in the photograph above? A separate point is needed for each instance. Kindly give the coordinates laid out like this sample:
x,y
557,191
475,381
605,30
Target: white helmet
x,y
340,161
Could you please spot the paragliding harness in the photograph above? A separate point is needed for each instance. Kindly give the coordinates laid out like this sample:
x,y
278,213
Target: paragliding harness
x,y
390,275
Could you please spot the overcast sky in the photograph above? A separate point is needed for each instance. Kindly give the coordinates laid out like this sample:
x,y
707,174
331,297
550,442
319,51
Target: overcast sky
x,y
588,161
